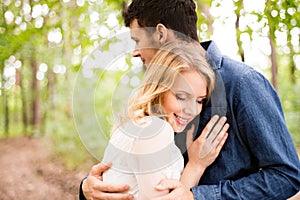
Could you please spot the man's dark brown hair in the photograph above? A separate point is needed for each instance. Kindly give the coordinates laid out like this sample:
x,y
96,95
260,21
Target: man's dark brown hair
x,y
178,15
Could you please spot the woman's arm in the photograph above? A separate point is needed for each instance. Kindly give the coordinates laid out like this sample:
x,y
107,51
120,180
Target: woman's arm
x,y
154,158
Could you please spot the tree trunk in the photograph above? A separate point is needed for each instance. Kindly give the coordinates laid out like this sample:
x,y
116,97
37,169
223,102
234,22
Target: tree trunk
x,y
274,67
205,9
6,113
239,6
24,103
271,36
292,64
35,97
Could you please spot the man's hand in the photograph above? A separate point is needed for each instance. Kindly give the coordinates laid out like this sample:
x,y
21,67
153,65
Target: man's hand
x,y
179,191
94,188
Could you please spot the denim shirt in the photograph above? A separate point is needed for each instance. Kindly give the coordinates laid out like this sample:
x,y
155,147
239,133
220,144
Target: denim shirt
x,y
259,159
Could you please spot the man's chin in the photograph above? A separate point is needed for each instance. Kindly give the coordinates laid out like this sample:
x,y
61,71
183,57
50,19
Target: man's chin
x,y
145,66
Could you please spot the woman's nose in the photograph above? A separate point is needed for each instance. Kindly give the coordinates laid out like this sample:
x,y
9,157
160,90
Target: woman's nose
x,y
192,108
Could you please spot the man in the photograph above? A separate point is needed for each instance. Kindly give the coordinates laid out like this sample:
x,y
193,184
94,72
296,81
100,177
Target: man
x,y
259,160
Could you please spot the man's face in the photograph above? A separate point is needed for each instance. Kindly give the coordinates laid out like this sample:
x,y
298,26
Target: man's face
x,y
146,44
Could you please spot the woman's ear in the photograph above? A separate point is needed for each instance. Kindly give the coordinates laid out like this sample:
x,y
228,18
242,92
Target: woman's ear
x,y
162,33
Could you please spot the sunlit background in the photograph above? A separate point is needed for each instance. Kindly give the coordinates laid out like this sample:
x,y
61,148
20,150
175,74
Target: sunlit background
x,y
45,43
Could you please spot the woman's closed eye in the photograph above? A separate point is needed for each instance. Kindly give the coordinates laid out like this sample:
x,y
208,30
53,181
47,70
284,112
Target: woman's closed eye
x,y
184,97
181,97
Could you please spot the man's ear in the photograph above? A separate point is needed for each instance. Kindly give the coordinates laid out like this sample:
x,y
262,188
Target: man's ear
x,y
162,33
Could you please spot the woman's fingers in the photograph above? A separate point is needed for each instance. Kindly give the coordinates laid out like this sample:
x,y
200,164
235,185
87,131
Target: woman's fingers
x,y
216,129
190,136
209,127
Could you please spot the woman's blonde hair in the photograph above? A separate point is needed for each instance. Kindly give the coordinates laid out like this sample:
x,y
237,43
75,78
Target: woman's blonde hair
x,y
172,58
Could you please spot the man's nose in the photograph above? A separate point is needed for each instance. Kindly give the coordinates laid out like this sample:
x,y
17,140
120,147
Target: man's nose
x,y
136,53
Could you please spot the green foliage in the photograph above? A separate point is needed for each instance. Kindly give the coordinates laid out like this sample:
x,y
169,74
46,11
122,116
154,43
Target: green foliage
x,y
205,19
66,142
290,98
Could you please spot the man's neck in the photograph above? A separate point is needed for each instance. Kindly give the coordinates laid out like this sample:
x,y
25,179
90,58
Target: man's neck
x,y
198,48
195,44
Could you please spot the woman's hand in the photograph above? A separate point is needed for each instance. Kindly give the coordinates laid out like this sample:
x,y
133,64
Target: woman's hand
x,y
178,190
204,150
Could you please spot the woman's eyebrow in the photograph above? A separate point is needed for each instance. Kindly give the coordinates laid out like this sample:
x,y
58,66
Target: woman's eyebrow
x,y
183,91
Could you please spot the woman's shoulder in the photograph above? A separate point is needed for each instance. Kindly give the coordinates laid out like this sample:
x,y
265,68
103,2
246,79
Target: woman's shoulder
x,y
156,135
146,128
150,130
120,140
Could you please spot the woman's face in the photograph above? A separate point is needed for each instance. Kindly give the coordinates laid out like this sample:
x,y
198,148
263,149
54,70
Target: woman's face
x,y
184,101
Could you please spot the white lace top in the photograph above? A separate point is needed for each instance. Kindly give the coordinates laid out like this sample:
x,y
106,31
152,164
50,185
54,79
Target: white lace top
x,y
142,155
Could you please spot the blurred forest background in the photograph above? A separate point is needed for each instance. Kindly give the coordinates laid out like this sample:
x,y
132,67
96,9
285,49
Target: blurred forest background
x,y
43,44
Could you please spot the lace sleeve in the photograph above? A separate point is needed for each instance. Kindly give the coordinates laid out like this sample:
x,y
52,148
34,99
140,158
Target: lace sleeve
x,y
155,157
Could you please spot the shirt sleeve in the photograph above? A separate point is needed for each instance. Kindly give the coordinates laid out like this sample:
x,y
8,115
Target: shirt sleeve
x,y
81,196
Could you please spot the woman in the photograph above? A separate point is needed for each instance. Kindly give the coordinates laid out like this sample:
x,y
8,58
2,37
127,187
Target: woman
x,y
142,150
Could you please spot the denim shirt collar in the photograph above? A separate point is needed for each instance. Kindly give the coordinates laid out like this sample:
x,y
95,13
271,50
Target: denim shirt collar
x,y
218,96
213,54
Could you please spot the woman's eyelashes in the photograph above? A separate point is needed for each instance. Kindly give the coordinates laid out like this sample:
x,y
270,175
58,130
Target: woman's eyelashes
x,y
184,97
181,97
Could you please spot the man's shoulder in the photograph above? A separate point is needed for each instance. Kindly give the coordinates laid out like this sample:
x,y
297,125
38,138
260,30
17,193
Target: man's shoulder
x,y
233,70
235,66
221,62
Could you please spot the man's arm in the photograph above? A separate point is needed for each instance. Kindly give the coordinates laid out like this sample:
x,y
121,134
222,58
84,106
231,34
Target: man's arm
x,y
92,186
261,125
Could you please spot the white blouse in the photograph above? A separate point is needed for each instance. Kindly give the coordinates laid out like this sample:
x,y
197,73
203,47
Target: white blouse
x,y
141,156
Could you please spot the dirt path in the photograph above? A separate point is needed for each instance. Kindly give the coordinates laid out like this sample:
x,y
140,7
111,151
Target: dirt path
x,y
27,171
